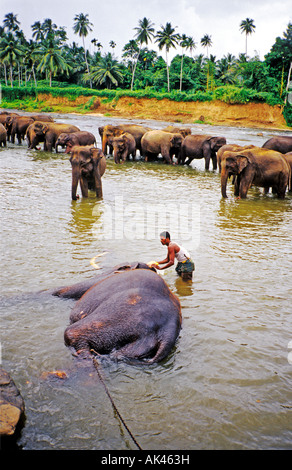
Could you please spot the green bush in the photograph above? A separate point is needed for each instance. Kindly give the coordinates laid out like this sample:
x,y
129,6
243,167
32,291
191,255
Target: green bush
x,y
228,94
287,113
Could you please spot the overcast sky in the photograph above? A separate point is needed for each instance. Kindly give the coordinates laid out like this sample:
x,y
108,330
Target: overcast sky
x,y
115,20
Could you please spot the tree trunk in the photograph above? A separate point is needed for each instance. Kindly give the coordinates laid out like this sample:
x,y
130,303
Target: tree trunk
x,y
87,66
134,69
167,71
181,70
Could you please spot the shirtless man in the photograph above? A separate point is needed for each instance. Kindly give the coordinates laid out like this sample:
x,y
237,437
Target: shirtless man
x,y
185,265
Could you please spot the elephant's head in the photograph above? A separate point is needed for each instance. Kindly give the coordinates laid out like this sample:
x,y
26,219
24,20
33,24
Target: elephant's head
x,y
232,164
176,141
40,128
216,143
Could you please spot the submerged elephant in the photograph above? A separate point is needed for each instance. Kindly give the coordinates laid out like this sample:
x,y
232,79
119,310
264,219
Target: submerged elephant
x,y
157,142
128,313
257,166
282,144
47,132
197,146
88,166
110,131
124,145
74,138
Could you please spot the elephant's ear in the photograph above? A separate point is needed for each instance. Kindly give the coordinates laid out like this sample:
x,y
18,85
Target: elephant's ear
x,y
96,154
242,161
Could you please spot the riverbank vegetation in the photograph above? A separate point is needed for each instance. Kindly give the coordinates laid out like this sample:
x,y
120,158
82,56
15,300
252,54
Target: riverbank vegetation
x,y
48,64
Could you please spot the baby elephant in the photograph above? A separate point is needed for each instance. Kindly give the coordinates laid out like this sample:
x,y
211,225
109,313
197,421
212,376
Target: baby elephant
x,y
74,138
128,313
88,166
124,145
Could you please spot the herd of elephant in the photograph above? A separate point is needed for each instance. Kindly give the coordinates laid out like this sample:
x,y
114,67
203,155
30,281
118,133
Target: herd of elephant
x,y
129,311
268,166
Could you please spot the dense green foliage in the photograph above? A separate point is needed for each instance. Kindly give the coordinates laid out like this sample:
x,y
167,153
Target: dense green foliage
x,y
48,64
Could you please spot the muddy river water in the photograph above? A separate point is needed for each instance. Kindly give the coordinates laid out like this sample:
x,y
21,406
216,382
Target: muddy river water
x,y
227,383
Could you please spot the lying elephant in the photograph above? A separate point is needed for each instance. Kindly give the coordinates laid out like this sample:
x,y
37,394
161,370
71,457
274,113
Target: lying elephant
x,y
157,142
74,138
201,146
257,166
124,145
128,313
47,132
88,166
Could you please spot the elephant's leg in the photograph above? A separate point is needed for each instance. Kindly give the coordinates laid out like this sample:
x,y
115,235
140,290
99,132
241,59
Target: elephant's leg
x,y
142,348
84,186
214,161
165,155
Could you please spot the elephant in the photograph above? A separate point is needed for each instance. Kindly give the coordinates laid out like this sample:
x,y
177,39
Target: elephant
x,y
157,142
184,131
19,125
113,131
282,144
3,135
124,145
127,313
232,148
42,117
288,158
48,132
257,166
88,166
201,146
74,138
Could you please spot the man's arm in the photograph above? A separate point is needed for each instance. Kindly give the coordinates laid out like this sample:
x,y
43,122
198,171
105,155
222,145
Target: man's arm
x,y
169,260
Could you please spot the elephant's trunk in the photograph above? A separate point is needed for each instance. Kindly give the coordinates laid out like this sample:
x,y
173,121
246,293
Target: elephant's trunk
x,y
224,178
75,179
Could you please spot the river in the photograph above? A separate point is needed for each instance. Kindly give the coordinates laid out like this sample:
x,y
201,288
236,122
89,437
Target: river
x,y
227,383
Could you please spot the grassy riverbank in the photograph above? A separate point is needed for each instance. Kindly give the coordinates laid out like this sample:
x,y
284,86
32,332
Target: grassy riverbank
x,y
229,106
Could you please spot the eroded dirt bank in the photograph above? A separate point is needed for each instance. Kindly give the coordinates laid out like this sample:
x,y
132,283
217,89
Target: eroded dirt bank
x,y
259,115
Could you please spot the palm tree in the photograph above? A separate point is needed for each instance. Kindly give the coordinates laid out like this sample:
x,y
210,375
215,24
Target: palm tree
x,y
82,26
10,53
184,43
167,38
206,42
145,33
52,60
31,56
37,31
130,52
191,45
106,72
11,22
247,26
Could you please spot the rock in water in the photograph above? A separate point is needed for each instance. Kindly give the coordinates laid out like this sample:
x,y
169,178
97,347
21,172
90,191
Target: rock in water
x,y
11,404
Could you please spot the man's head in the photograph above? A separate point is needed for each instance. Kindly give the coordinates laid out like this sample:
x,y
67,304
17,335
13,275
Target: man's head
x,y
165,238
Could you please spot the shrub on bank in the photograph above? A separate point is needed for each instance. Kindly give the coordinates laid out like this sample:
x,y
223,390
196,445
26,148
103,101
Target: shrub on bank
x,y
26,97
